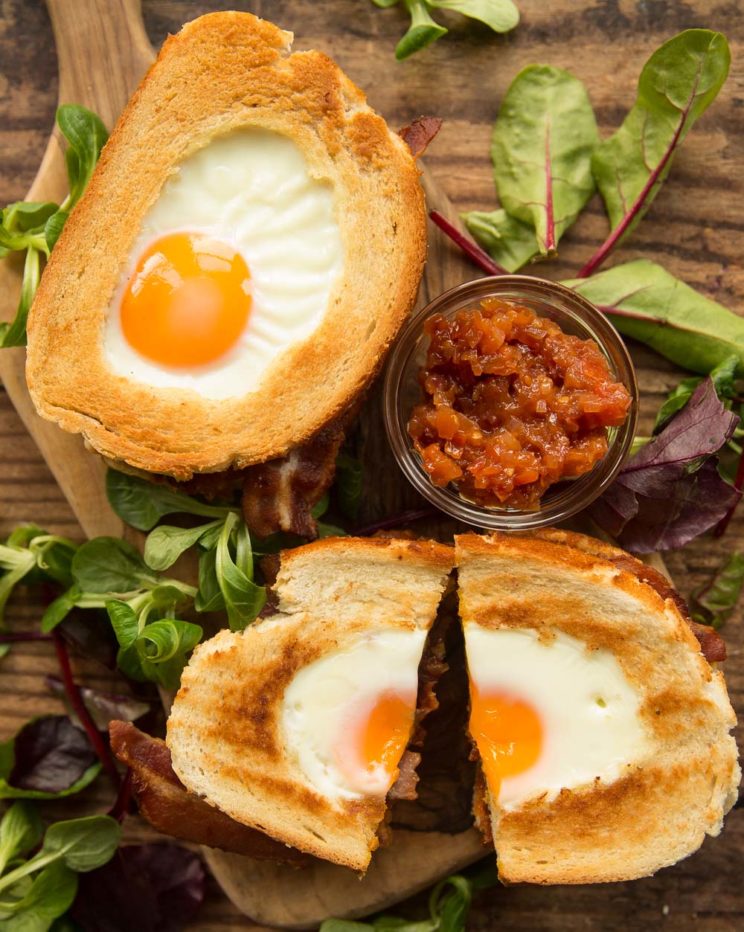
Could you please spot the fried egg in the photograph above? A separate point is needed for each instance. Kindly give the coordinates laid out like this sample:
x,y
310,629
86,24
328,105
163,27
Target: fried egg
x,y
548,714
234,263
347,717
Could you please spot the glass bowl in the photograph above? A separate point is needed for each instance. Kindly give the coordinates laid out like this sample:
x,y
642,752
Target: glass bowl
x,y
574,315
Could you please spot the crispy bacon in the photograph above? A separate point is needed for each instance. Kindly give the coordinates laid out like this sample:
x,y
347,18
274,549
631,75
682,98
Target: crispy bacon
x,y
405,786
419,134
279,495
444,792
711,643
170,808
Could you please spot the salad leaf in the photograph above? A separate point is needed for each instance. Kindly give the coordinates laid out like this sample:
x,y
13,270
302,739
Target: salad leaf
x,y
507,240
157,651
723,378
50,755
108,564
48,758
150,888
20,831
541,149
36,891
86,136
209,596
449,906
500,15
49,895
35,227
83,844
714,603
165,544
648,304
29,553
243,598
671,491
677,84
422,31
142,503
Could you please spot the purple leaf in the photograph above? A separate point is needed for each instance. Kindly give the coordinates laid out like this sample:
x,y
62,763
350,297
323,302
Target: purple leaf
x,y
103,707
150,888
90,633
50,755
671,491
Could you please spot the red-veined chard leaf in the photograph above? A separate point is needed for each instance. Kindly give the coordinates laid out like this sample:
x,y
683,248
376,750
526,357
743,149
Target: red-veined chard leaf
x,y
541,150
671,491
677,84
508,241
649,304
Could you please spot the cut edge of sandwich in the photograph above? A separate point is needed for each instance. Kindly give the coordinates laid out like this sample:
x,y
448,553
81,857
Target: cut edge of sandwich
x,y
662,808
224,731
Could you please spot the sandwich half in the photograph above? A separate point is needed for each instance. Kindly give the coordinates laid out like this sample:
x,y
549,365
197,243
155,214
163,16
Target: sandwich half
x,y
297,725
602,730
248,247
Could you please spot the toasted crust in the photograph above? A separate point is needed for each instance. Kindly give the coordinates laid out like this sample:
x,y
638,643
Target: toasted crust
x,y
222,72
224,730
661,810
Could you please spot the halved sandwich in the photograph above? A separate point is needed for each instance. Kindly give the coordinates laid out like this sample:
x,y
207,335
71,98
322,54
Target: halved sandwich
x,y
297,726
603,732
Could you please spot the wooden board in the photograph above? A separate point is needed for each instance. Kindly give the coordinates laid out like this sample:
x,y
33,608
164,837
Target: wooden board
x,y
695,229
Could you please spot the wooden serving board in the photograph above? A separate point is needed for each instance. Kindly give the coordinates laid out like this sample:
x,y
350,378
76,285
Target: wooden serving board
x,y
103,52
695,229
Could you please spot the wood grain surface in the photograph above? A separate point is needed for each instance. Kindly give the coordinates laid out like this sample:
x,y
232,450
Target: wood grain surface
x,y
695,228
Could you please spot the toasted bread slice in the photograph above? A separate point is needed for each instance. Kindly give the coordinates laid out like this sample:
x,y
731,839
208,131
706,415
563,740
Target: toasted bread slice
x,y
667,799
228,729
222,73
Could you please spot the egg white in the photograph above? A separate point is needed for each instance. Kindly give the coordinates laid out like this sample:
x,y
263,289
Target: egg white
x,y
323,697
589,711
251,189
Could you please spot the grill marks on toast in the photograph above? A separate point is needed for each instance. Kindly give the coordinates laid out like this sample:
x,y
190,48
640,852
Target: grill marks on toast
x,y
662,809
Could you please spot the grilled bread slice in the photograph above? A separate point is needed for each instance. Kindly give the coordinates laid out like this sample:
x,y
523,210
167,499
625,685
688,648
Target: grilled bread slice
x,y
678,789
222,73
227,731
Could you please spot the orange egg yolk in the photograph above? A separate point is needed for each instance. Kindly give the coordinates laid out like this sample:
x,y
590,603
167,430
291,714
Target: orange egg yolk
x,y
386,731
508,733
188,300
375,741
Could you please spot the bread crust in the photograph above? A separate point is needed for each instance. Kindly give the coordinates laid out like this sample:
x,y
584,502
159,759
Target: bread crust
x,y
222,72
663,806
224,730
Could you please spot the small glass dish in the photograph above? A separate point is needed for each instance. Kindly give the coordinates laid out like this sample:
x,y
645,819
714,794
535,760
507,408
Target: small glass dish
x,y
574,315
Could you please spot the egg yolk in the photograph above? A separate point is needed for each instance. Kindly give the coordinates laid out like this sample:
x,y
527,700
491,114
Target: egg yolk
x,y
376,741
386,731
188,300
508,733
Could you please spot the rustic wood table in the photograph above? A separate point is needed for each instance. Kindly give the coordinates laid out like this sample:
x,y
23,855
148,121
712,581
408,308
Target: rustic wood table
x,y
696,229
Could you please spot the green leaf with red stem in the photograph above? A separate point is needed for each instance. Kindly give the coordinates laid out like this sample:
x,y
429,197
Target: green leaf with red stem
x,y
542,148
649,304
677,84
